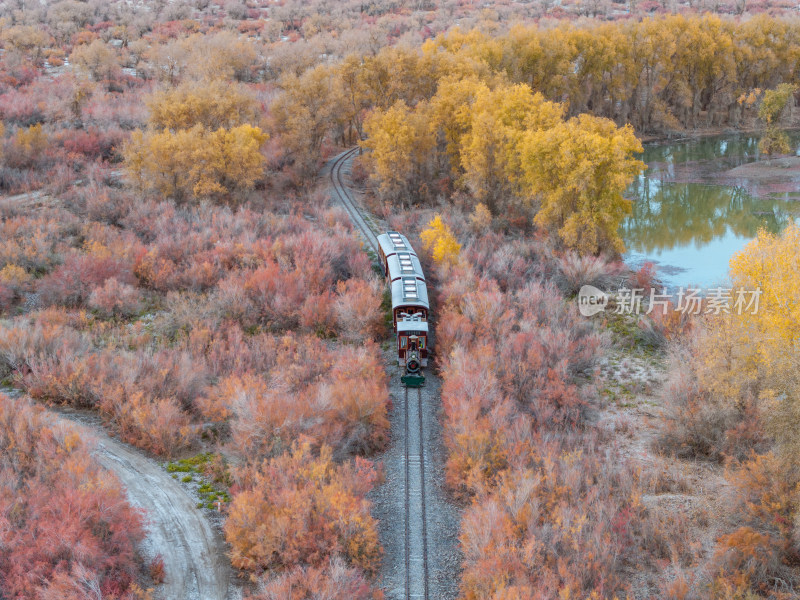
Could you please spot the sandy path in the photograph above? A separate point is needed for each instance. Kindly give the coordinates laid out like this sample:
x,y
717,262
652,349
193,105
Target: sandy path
x,y
194,556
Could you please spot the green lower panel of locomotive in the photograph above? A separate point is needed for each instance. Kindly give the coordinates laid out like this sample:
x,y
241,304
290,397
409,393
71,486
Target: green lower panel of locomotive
x,y
413,381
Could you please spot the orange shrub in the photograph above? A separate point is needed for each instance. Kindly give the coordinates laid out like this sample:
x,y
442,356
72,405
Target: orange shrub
x,y
145,396
476,420
335,580
35,242
566,526
300,509
332,398
763,548
554,514
23,342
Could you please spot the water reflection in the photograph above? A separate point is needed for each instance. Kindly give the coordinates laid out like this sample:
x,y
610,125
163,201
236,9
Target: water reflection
x,y
682,214
689,226
712,154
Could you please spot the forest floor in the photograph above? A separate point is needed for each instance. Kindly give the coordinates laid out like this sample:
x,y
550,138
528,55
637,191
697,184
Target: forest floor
x,y
686,497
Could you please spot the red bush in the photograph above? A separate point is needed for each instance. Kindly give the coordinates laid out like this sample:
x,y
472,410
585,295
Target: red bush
x,y
115,299
276,295
335,580
157,572
358,309
106,205
476,417
67,526
72,283
227,351
6,298
91,142
318,313
551,514
644,277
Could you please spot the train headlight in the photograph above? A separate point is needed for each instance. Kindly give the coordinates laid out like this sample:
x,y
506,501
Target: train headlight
x,y
413,362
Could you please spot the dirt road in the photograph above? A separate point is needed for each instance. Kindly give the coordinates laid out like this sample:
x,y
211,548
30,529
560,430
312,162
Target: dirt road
x,y
194,556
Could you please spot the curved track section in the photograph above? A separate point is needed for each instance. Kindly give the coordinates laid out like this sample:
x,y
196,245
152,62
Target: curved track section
x,y
421,561
345,198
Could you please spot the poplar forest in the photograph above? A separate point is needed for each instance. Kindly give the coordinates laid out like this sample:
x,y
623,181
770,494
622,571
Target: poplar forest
x,y
180,282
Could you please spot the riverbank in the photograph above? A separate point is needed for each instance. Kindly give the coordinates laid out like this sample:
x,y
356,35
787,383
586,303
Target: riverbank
x,y
780,168
709,132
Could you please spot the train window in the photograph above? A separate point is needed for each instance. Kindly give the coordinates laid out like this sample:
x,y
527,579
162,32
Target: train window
x,y
403,342
422,343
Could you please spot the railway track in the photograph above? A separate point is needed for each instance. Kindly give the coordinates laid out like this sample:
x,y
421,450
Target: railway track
x,y
416,530
416,578
346,199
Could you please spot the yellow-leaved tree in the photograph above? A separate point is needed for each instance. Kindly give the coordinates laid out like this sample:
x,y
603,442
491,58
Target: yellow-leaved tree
x,y
28,146
211,104
201,143
402,145
775,140
229,161
498,121
753,353
772,263
748,368
307,108
578,170
438,239
450,112
98,60
221,164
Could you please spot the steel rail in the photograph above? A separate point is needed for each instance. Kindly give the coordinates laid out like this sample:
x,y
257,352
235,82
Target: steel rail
x,y
415,530
347,200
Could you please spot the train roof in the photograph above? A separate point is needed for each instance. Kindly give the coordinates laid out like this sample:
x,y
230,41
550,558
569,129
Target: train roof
x,y
409,291
392,242
412,324
404,264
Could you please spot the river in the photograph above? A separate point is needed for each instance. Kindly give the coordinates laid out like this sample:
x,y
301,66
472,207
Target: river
x,y
693,210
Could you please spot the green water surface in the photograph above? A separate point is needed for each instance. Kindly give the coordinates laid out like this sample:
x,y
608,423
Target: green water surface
x,y
690,230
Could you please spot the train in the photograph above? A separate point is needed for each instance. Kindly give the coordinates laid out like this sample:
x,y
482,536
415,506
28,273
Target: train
x,y
410,305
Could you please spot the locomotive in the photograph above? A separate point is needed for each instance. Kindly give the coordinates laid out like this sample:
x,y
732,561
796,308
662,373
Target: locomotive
x,y
410,305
